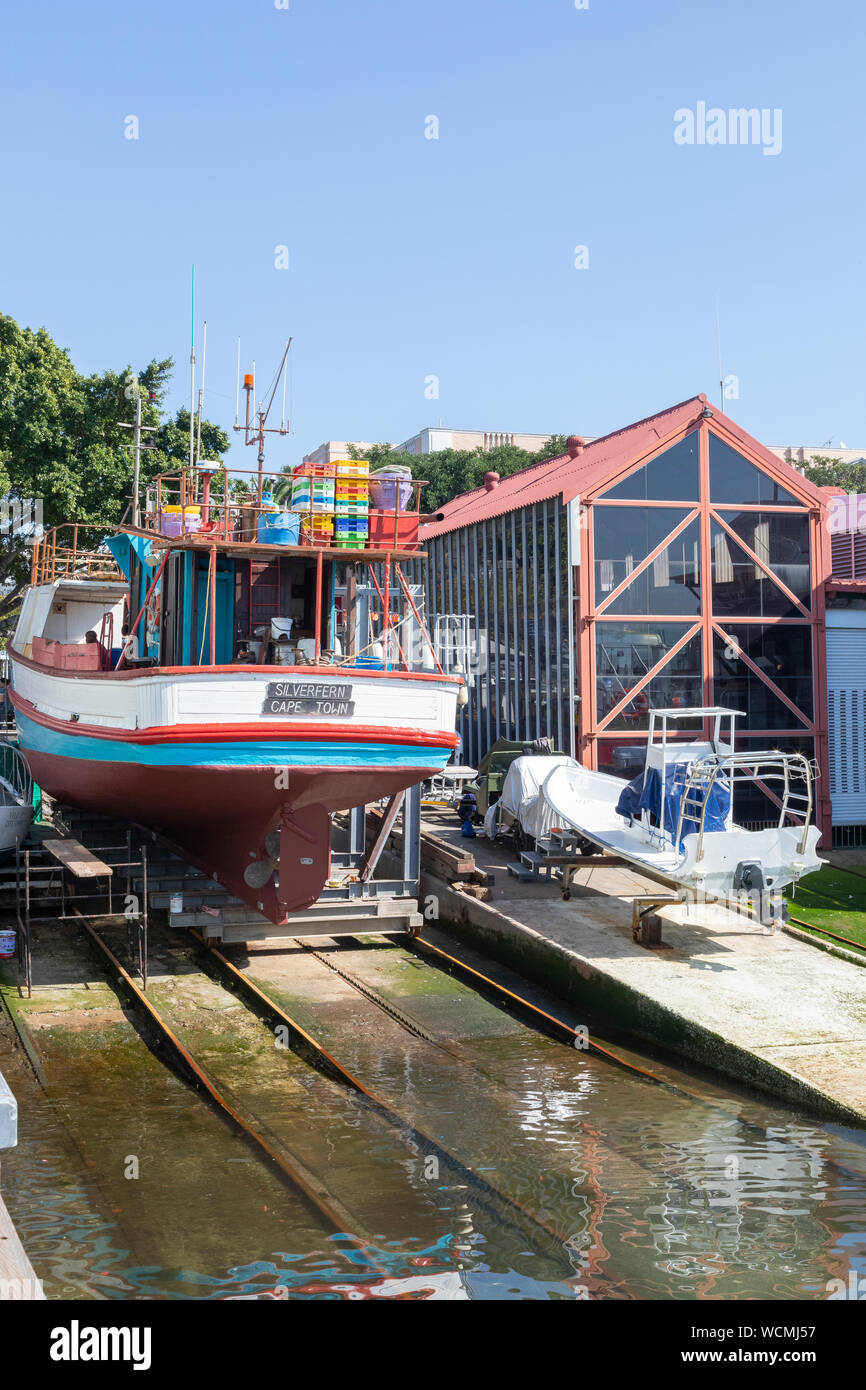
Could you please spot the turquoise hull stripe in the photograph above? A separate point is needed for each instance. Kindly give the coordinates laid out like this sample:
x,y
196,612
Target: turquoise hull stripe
x,y
276,753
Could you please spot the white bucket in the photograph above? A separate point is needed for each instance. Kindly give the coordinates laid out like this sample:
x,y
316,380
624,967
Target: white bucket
x,y
7,945
176,903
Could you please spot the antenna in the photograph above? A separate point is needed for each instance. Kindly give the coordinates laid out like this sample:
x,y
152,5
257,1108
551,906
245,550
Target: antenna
x,y
285,375
201,394
255,433
721,372
238,389
192,378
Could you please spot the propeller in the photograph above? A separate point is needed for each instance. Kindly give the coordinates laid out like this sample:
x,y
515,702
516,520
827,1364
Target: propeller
x,y
257,874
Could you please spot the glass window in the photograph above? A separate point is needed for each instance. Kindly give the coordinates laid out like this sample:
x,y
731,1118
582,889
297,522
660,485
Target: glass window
x,y
734,481
781,540
742,586
624,536
625,652
672,477
784,654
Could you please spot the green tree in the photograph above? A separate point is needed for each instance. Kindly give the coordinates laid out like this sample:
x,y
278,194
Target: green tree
x,y
448,472
829,472
61,444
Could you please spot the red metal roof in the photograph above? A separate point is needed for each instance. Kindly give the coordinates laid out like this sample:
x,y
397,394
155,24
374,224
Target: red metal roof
x,y
601,461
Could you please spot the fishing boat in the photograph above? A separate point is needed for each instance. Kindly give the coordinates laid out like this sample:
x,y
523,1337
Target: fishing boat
x,y
16,796
230,683
675,820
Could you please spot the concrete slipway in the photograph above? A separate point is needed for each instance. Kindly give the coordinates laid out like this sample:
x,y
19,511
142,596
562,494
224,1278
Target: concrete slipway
x,y
768,1010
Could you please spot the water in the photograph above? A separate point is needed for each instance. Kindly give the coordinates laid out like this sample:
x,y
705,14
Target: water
x,y
590,1183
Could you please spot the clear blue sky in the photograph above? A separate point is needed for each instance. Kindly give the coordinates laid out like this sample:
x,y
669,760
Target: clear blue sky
x,y
454,257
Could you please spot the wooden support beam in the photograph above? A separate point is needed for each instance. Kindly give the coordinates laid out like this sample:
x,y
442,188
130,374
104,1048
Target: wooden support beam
x,y
78,860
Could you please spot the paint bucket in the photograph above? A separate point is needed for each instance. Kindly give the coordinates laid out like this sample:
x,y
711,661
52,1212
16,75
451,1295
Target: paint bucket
x,y
176,903
7,945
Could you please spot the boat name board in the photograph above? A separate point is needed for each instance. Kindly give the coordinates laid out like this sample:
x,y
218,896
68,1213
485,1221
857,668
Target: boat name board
x,y
308,697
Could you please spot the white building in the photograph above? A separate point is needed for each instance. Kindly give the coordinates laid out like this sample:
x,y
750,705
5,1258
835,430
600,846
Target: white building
x,y
428,441
803,454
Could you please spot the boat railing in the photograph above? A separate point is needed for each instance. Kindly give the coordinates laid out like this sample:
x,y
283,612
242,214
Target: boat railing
x,y
15,775
211,504
74,550
787,778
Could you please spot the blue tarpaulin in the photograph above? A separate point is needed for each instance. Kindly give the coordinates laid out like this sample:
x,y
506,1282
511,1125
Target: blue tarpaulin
x,y
645,795
123,546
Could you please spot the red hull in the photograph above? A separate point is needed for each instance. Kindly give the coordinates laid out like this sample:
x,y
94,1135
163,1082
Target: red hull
x,y
219,817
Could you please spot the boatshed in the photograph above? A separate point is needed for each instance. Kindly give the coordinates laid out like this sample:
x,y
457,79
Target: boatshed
x,y
674,563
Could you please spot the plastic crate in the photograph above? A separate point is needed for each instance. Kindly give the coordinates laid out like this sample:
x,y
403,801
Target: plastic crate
x,y
352,468
316,487
317,499
318,527
314,470
351,540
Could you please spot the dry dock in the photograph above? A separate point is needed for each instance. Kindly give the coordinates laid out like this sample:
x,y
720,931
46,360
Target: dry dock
x,y
767,1010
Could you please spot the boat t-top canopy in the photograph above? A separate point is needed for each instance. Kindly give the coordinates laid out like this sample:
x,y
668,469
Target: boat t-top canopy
x,y
690,714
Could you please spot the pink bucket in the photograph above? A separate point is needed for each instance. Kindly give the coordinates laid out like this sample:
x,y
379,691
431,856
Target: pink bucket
x,y
7,945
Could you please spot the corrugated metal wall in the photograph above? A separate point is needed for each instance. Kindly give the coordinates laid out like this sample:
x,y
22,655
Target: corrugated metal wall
x,y
511,574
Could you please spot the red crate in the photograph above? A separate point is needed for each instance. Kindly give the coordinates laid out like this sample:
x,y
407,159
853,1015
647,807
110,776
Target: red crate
x,y
314,470
393,530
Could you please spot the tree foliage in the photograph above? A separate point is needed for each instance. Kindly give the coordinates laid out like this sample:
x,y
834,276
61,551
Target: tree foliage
x,y
829,472
448,472
60,441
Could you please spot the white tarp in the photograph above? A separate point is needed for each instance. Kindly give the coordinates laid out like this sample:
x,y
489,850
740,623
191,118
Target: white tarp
x,y
521,794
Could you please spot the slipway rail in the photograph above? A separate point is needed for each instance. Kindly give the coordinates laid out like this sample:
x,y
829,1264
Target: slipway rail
x,y
498,1203
303,1182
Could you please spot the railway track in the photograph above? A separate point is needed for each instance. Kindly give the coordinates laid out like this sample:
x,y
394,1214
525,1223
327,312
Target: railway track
x,y
531,1226
537,1017
543,1234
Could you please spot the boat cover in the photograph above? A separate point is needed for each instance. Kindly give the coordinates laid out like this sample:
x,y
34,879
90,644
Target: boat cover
x,y
644,795
521,794
124,546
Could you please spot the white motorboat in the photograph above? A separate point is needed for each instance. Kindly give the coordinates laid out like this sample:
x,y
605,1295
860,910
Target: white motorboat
x,y
16,796
674,821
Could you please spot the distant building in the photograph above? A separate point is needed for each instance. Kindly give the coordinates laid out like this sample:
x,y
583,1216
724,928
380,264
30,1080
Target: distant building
x,y
430,440
335,449
803,454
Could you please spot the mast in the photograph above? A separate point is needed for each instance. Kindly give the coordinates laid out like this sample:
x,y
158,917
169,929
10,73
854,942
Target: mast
x,y
192,380
136,507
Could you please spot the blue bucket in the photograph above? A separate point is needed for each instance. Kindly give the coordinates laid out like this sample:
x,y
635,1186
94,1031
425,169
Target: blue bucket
x,y
279,528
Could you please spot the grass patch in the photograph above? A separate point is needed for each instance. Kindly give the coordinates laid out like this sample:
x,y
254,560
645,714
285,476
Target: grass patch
x,y
834,899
